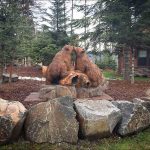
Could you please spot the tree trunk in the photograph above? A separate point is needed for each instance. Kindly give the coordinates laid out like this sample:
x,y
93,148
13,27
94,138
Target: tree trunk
x,y
85,15
72,19
10,72
132,76
65,15
1,73
126,64
57,26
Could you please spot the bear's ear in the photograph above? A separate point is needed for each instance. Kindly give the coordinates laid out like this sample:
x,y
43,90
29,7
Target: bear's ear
x,y
83,51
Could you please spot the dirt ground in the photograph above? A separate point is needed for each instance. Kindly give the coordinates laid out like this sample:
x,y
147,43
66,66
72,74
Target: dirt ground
x,y
26,71
118,89
123,90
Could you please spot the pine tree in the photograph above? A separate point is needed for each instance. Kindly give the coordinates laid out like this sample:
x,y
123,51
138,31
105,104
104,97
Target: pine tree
x,y
83,22
124,23
12,16
56,16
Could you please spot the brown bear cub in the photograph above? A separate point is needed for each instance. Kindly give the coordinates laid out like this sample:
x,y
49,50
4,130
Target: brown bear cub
x,y
60,65
86,66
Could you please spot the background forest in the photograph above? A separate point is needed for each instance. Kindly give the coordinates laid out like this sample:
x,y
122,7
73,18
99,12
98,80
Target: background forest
x,y
107,25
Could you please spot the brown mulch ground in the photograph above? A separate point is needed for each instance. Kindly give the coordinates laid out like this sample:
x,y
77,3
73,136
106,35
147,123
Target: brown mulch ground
x,y
119,90
27,71
123,90
19,90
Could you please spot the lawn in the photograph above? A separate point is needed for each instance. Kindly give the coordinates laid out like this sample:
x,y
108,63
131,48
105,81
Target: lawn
x,y
140,141
110,74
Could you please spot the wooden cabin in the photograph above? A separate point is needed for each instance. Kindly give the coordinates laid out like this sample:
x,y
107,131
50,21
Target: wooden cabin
x,y
141,62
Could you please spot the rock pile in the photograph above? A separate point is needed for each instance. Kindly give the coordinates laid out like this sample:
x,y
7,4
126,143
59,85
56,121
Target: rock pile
x,y
65,120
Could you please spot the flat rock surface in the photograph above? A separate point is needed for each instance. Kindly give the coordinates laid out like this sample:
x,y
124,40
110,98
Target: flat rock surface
x,y
104,96
33,97
96,118
49,92
92,91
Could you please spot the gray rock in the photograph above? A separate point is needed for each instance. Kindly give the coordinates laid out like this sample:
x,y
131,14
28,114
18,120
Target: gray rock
x,y
135,117
89,92
145,98
14,78
147,92
63,91
96,118
12,116
49,92
142,102
83,93
52,121
92,91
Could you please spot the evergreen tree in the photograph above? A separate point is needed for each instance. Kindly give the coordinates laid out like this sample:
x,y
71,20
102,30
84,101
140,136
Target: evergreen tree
x,y
43,47
124,23
85,22
56,16
12,15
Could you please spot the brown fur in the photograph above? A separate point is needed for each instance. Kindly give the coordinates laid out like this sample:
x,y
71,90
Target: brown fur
x,y
44,70
60,65
85,65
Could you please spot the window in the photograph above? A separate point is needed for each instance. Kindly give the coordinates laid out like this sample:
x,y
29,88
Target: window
x,y
142,58
142,54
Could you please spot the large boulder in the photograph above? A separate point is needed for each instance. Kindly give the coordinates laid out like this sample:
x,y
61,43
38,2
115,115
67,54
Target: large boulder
x,y
135,117
49,92
96,118
52,121
12,116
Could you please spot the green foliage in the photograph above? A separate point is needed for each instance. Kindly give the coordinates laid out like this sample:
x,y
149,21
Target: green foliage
x,y
60,38
107,62
58,16
14,19
43,48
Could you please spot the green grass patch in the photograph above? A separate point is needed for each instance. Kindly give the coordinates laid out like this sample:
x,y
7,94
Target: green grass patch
x,y
141,141
110,74
142,79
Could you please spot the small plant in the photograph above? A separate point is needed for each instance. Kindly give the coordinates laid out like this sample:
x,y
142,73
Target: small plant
x,y
107,61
